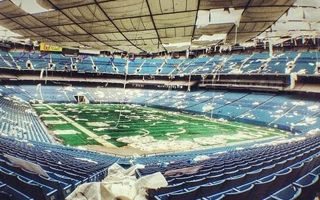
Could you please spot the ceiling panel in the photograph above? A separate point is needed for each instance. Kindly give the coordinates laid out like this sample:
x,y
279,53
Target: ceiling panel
x,y
61,38
241,37
2,16
110,36
98,46
217,4
28,21
46,31
176,39
9,24
261,3
69,29
176,32
67,4
133,35
252,27
70,44
258,14
134,24
213,29
150,25
9,9
82,14
99,27
52,18
118,42
124,8
175,19
171,6
83,38
26,32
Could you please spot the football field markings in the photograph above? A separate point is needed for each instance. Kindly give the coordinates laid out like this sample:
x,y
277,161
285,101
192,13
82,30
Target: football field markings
x,y
258,133
83,129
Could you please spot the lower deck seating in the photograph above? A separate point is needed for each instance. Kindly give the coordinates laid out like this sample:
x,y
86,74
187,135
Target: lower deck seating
x,y
66,169
20,121
282,171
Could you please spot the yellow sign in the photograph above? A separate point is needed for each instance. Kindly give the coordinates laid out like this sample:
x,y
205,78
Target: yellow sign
x,y
49,47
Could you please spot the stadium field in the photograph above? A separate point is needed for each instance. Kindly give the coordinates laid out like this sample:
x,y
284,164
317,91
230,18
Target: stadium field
x,y
144,128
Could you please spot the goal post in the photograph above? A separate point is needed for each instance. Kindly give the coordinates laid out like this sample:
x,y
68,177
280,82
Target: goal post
x,y
81,99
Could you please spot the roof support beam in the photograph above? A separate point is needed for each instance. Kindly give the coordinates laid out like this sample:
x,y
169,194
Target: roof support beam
x,y
46,26
155,27
244,10
26,28
239,7
195,22
58,9
22,25
107,16
274,22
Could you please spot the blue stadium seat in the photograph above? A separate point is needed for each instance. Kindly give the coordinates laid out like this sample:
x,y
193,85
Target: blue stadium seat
x,y
243,194
290,192
308,185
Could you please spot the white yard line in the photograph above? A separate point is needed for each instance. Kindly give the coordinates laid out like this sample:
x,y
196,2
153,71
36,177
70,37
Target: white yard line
x,y
83,129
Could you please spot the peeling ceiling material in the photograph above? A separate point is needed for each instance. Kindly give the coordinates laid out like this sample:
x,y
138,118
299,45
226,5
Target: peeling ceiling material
x,y
149,25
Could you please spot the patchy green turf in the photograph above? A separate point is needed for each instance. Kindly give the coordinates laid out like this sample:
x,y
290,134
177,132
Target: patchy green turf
x,y
118,121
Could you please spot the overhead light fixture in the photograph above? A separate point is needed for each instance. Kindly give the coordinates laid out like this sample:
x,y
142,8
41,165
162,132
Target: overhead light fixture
x,y
30,6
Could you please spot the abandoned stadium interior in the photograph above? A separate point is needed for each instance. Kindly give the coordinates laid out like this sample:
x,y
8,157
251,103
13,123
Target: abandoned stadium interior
x,y
159,99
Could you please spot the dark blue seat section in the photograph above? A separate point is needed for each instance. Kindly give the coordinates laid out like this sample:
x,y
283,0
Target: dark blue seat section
x,y
13,113
287,170
276,171
9,193
239,194
316,172
308,184
66,168
288,193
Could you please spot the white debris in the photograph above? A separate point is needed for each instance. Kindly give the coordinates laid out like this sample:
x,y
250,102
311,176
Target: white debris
x,y
255,103
87,159
120,184
313,108
201,158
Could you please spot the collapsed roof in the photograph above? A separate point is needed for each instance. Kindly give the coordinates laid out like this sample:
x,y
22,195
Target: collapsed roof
x,y
155,26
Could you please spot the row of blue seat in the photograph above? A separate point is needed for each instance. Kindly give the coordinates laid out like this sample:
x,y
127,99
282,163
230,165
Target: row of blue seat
x,y
234,64
19,120
270,177
269,171
66,168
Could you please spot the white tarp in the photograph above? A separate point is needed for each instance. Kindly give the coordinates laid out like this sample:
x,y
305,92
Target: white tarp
x,y
218,16
120,184
297,22
311,3
26,165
